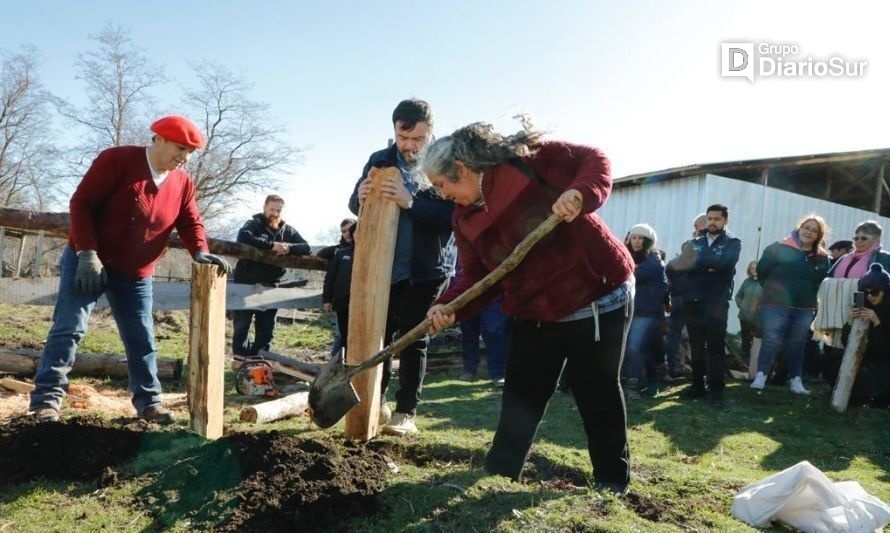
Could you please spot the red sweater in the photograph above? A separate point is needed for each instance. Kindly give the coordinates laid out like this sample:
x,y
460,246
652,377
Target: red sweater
x,y
118,211
573,266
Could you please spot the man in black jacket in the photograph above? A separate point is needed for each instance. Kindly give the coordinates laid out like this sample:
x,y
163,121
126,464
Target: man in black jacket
x,y
710,268
266,231
418,272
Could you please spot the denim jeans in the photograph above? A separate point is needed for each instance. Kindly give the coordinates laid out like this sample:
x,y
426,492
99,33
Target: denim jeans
x,y
637,351
494,326
130,301
786,326
263,330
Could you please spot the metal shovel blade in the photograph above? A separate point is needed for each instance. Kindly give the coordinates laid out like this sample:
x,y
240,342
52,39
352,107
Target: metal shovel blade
x,y
332,395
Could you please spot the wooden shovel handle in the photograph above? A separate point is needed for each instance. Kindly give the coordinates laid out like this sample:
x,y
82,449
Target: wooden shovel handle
x,y
507,265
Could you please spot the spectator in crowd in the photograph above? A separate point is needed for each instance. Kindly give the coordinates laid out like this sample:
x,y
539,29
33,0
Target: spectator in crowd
x,y
790,271
347,229
122,213
679,288
266,231
651,287
493,325
747,299
709,263
418,270
839,249
873,381
570,295
337,281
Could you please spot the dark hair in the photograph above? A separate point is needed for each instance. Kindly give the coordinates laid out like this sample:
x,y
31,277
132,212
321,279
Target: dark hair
x,y
841,245
346,221
718,207
273,198
869,227
411,111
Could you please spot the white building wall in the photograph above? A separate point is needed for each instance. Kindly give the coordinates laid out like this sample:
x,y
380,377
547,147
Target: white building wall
x,y
757,215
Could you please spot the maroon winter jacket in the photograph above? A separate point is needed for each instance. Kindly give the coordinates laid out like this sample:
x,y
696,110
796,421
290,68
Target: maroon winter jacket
x,y
118,211
573,266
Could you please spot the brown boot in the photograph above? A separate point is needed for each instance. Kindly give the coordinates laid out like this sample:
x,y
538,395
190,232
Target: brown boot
x,y
157,414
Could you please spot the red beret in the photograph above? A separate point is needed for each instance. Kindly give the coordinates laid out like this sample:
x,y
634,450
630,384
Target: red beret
x,y
180,130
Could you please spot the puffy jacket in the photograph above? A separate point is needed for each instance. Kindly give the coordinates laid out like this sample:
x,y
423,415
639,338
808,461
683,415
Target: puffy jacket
x,y
710,269
257,233
431,218
651,286
790,276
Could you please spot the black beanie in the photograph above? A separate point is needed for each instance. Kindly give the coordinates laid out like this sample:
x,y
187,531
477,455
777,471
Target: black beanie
x,y
877,279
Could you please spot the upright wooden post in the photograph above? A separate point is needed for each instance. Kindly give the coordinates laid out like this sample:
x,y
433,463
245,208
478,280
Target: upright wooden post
x,y
2,248
853,354
38,256
375,243
18,258
207,335
879,188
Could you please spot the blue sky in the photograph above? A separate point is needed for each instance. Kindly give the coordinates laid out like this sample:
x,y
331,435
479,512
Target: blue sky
x,y
640,80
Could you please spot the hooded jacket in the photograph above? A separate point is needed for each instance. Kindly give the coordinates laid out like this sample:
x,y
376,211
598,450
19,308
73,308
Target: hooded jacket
x,y
257,233
791,276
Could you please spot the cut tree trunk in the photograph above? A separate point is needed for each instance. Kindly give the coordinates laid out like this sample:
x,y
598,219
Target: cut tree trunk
x,y
853,353
296,364
284,407
57,224
24,362
16,385
371,278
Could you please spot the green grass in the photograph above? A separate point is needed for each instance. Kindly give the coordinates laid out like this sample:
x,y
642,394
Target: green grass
x,y
688,461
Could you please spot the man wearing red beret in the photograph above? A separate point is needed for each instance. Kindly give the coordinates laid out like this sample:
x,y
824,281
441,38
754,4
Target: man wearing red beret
x,y
122,213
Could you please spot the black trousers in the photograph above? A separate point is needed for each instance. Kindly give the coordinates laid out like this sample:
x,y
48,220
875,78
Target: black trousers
x,y
706,323
408,304
538,352
264,330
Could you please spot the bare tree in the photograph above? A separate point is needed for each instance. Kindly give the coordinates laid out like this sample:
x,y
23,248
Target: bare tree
x,y
27,156
329,235
245,147
118,79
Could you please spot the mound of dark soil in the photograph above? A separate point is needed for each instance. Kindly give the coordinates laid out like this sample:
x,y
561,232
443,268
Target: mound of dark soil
x,y
73,450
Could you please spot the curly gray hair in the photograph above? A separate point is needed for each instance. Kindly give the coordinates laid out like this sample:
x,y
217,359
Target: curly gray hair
x,y
479,147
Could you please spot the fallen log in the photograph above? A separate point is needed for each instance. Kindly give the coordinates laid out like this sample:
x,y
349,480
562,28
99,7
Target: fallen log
x,y
56,224
16,386
853,354
307,368
25,362
284,407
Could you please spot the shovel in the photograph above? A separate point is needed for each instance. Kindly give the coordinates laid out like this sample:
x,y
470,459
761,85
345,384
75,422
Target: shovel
x,y
332,395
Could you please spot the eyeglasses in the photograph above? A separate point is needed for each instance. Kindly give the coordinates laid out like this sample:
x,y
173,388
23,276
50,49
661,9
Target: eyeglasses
x,y
871,292
862,238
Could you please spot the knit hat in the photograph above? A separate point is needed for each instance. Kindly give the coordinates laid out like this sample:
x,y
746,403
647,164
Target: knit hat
x,y
877,279
841,245
180,130
644,230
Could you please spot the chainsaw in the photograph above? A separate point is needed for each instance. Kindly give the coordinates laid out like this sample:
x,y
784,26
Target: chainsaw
x,y
254,378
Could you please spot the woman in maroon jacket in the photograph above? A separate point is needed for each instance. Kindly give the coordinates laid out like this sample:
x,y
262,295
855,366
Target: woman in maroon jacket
x,y
571,295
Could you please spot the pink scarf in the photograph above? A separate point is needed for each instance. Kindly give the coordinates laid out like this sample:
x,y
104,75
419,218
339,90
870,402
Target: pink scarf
x,y
855,265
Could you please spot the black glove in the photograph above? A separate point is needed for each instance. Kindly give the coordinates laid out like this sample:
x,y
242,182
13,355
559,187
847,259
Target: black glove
x,y
90,276
204,257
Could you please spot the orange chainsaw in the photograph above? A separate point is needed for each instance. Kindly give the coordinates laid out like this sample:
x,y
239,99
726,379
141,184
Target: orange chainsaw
x,y
254,378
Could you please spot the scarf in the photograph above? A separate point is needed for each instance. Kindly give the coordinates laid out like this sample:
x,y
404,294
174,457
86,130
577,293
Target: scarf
x,y
855,265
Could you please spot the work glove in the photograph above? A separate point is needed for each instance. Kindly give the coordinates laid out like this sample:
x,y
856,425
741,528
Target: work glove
x,y
204,257
90,276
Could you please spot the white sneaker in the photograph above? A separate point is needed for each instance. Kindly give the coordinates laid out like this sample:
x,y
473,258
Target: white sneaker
x,y
385,414
759,381
401,424
797,386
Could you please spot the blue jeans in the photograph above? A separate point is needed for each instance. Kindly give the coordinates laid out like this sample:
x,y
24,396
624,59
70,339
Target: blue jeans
x,y
130,301
494,326
784,326
637,349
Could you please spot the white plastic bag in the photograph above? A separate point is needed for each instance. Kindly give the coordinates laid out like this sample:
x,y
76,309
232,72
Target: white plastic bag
x,y
804,498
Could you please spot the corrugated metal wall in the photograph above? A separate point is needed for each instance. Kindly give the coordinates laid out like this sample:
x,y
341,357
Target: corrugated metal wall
x,y
757,215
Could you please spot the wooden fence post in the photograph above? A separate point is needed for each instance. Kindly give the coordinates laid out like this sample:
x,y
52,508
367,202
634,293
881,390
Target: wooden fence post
x,y
207,338
375,243
2,248
853,353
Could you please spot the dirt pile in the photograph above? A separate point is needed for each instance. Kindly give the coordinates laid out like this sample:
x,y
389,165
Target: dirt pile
x,y
242,482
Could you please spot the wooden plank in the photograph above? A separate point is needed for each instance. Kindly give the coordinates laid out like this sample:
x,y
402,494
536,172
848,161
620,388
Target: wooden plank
x,y
18,258
284,407
16,385
375,243
207,339
56,224
24,362
853,353
168,295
